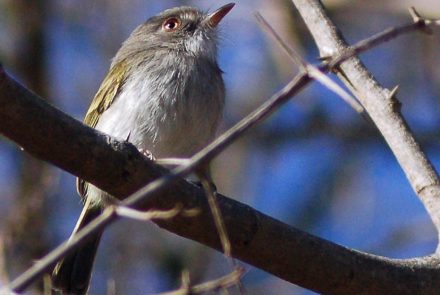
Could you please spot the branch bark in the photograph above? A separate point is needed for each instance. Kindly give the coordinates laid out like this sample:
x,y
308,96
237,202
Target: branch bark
x,y
257,239
380,103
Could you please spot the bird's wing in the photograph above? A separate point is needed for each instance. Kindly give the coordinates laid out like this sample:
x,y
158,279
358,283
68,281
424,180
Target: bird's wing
x,y
106,95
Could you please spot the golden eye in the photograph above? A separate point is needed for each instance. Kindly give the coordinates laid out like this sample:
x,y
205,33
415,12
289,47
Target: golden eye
x,y
171,24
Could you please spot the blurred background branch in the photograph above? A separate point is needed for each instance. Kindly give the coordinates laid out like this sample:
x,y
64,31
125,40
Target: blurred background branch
x,y
25,222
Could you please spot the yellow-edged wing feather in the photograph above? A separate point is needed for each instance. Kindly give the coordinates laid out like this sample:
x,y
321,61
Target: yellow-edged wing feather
x,y
106,95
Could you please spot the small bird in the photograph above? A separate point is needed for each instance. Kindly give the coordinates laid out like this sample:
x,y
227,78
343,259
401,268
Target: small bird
x,y
164,93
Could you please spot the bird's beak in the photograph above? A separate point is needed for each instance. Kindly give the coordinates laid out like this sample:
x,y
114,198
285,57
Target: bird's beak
x,y
214,18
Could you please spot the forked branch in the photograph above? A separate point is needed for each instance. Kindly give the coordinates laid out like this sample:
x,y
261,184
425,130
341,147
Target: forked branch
x,y
380,103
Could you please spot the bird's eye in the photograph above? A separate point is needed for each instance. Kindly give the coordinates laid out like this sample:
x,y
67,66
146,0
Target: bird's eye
x,y
171,24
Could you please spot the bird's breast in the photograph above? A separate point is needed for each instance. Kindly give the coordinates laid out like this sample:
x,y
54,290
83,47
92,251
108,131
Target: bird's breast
x,y
172,112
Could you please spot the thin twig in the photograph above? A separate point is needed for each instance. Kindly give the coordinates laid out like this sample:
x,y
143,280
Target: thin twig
x,y
4,278
109,215
295,56
211,196
126,212
313,71
319,76
224,282
205,155
217,216
172,161
373,41
423,21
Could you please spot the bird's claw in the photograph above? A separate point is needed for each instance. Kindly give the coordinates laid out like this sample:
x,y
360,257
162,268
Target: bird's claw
x,y
147,154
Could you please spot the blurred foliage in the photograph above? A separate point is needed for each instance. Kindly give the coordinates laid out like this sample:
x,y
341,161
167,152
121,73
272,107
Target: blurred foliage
x,y
315,164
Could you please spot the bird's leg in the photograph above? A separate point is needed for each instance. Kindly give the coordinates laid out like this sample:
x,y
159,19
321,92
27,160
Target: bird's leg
x,y
144,152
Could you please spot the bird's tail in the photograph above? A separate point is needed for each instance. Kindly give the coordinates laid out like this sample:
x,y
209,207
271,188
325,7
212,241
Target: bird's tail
x,y
72,274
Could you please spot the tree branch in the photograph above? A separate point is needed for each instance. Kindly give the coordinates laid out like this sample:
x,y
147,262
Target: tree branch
x,y
380,103
257,239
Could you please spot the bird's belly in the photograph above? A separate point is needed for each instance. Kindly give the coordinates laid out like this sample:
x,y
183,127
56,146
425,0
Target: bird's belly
x,y
183,139
176,137
162,134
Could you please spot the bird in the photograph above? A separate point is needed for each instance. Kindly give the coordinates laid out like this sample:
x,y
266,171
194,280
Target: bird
x,y
164,93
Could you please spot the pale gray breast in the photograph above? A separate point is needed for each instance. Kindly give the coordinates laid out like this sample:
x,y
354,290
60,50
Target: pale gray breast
x,y
171,108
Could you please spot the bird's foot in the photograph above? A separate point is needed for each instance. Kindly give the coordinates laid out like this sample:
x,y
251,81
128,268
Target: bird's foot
x,y
147,154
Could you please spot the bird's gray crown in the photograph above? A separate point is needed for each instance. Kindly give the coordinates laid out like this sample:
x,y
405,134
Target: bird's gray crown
x,y
183,30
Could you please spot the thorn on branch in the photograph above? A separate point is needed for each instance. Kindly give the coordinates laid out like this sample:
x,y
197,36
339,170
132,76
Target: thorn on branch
x,y
423,23
393,92
394,102
414,14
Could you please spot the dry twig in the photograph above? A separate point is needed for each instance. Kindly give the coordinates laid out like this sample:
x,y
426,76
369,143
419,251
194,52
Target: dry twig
x,y
224,282
310,69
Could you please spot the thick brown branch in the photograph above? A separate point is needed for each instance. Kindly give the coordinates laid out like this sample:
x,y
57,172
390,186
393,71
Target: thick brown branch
x,y
257,239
